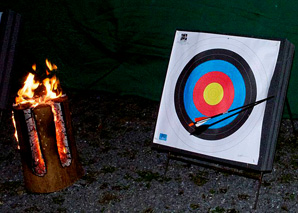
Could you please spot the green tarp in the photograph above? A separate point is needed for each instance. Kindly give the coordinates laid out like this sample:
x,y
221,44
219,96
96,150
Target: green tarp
x,y
124,46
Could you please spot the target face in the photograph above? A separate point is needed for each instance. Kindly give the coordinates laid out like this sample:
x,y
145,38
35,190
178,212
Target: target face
x,y
213,82
209,74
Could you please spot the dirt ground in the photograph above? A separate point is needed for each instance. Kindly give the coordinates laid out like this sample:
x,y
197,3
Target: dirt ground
x,y
124,174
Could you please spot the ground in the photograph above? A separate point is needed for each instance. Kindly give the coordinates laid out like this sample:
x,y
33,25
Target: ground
x,y
124,174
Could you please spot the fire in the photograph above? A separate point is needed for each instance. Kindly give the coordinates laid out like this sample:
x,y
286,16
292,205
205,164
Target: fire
x,y
51,86
51,66
26,93
15,128
38,164
31,95
34,92
34,67
61,137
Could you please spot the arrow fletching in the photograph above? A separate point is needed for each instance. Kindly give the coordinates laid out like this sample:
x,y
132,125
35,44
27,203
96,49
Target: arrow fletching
x,y
199,121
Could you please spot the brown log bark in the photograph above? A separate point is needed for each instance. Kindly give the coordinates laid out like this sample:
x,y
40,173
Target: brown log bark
x,y
56,177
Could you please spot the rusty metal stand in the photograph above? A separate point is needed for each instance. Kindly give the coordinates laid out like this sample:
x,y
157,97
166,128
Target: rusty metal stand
x,y
1,113
249,174
167,163
258,190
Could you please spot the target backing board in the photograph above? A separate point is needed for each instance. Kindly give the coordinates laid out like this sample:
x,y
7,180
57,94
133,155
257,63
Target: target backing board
x,y
209,74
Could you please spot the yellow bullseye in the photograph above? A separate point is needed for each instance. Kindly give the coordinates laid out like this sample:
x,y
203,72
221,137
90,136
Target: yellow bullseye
x,y
213,93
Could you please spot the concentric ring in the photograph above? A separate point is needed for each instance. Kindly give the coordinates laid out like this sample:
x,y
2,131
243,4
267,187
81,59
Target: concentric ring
x,y
192,81
200,96
213,94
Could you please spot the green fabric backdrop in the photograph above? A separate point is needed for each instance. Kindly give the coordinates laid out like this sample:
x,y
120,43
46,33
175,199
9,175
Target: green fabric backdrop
x,y
124,46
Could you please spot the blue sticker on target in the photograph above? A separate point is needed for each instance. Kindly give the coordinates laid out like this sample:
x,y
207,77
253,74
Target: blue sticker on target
x,y
163,137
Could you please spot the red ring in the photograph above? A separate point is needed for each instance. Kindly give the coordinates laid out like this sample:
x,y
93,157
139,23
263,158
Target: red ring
x,y
198,93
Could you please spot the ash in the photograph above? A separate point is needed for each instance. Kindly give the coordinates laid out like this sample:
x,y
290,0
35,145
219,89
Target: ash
x,y
123,174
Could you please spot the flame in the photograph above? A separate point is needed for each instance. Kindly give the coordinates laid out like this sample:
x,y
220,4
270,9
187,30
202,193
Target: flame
x,y
51,66
34,67
26,93
49,86
15,128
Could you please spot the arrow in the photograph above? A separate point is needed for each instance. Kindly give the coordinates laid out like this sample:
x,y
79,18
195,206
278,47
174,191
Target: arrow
x,y
201,127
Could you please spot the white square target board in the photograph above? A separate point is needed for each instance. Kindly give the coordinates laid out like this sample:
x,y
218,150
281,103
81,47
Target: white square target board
x,y
223,98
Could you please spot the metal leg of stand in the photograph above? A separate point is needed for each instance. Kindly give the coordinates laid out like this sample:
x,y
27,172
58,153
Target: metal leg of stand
x,y
167,163
1,113
290,114
258,190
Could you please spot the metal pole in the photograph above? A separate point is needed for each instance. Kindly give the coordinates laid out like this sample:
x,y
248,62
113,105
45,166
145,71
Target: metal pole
x,y
1,113
290,114
258,190
167,163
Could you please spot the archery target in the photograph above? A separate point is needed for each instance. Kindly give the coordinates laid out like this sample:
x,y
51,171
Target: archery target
x,y
210,74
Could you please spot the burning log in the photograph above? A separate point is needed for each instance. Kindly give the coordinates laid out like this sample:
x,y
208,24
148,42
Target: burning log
x,y
47,166
43,128
61,135
38,164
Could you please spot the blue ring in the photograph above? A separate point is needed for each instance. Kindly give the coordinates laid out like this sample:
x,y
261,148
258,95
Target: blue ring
x,y
214,65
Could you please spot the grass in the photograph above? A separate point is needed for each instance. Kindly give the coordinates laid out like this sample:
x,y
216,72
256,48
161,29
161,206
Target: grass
x,y
148,176
291,196
223,190
120,187
61,210
286,178
32,209
108,169
90,177
243,196
58,200
217,210
200,178
294,162
130,154
108,197
10,187
149,210
194,206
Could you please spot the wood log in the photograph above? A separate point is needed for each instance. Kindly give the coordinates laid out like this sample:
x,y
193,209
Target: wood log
x,y
57,176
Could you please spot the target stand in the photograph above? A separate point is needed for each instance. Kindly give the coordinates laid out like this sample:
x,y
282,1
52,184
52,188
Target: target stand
x,y
222,101
257,175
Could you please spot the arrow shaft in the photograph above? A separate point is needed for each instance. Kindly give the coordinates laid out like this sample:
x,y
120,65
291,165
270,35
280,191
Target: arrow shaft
x,y
198,130
245,107
251,104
